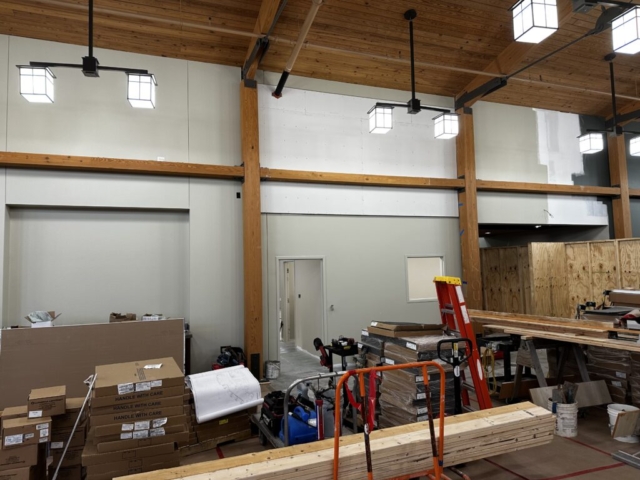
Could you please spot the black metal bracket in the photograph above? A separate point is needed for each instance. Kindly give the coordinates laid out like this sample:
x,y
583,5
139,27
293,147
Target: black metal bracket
x,y
262,43
483,90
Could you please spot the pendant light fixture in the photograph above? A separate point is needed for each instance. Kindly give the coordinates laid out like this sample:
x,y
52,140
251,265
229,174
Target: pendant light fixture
x,y
534,20
634,147
37,80
592,142
626,32
381,114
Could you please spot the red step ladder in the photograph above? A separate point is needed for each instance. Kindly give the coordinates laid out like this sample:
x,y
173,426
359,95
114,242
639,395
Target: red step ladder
x,y
453,311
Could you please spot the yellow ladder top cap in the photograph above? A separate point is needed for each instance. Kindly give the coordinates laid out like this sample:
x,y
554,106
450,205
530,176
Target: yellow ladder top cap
x,y
449,280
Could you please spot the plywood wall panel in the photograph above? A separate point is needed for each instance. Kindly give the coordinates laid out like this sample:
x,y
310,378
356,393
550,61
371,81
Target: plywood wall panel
x,y
629,257
525,278
510,288
540,279
578,273
557,270
604,268
492,279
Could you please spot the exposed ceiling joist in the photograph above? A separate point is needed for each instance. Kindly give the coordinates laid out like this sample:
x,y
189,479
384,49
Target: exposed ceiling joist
x,y
266,16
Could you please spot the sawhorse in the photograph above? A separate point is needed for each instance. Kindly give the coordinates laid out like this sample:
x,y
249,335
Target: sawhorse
x,y
527,356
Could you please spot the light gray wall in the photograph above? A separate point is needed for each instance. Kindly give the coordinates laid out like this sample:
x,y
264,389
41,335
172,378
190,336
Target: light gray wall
x,y
86,264
567,234
365,266
309,310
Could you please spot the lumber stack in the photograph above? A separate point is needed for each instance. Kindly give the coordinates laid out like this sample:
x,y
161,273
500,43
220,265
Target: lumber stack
x,y
584,332
396,451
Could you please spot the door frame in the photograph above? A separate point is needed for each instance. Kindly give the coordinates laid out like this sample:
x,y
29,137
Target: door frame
x,y
323,282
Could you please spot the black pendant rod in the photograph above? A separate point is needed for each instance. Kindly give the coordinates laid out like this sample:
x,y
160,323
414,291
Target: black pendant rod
x,y
410,15
609,58
91,28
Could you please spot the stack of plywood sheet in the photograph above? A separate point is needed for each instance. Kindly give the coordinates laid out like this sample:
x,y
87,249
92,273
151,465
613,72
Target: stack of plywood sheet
x,y
396,451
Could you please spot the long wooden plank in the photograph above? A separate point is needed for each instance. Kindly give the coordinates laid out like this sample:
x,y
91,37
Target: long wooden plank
x,y
330,178
118,165
395,451
468,211
563,337
545,188
252,228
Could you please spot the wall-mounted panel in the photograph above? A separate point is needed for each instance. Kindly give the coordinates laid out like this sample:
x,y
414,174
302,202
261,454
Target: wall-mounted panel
x,y
81,189
350,200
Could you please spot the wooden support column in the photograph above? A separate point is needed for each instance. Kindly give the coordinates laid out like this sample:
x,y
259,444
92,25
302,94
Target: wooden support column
x,y
468,210
619,178
252,235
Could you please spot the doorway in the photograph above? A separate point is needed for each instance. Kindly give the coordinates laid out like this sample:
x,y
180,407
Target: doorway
x,y
302,317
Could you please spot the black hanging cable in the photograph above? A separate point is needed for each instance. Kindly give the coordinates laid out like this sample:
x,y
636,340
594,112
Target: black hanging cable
x,y
410,15
91,28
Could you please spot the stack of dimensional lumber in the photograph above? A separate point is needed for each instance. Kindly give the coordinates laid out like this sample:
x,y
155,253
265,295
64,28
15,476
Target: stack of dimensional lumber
x,y
614,367
396,451
137,419
634,378
584,332
402,396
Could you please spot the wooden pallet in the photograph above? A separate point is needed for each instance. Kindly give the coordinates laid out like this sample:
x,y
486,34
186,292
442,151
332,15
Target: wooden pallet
x,y
395,451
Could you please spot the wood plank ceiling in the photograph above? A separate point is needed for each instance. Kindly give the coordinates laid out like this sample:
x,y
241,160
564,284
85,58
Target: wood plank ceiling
x,y
355,41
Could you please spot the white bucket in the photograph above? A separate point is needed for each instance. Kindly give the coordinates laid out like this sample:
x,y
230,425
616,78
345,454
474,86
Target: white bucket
x,y
272,369
566,418
613,410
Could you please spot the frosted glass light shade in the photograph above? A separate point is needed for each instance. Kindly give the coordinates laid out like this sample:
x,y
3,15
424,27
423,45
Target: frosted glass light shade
x,y
626,32
591,143
380,119
141,90
634,147
534,20
36,84
446,126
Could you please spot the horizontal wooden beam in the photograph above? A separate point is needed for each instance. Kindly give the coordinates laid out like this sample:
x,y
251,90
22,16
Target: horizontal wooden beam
x,y
117,165
634,192
357,179
553,189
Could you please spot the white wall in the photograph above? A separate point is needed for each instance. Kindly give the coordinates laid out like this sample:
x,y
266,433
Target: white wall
x,y
364,264
196,118
309,305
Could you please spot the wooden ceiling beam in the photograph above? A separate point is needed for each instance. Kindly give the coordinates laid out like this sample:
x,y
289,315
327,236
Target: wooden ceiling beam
x,y
512,56
268,11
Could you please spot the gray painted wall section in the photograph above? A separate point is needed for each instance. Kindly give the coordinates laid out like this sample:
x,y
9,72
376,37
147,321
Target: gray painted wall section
x,y
365,266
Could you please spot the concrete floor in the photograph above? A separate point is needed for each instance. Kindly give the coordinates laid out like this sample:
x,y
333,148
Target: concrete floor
x,y
295,364
587,457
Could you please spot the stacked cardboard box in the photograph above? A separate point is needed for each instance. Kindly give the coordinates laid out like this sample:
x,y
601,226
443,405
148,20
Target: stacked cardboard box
x,y
26,432
402,392
136,420
62,425
614,367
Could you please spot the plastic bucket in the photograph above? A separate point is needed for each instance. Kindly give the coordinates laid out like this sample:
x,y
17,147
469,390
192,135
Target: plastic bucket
x,y
566,418
272,369
613,410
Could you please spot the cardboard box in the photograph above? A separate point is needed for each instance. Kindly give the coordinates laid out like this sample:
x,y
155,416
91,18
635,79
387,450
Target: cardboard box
x,y
72,458
122,317
59,438
120,445
131,417
67,473
147,433
91,456
68,420
14,458
23,350
13,412
118,428
159,402
147,375
138,463
20,432
47,402
99,402
27,473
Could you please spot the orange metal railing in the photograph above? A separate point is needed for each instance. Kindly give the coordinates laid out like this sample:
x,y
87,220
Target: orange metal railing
x,y
437,443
